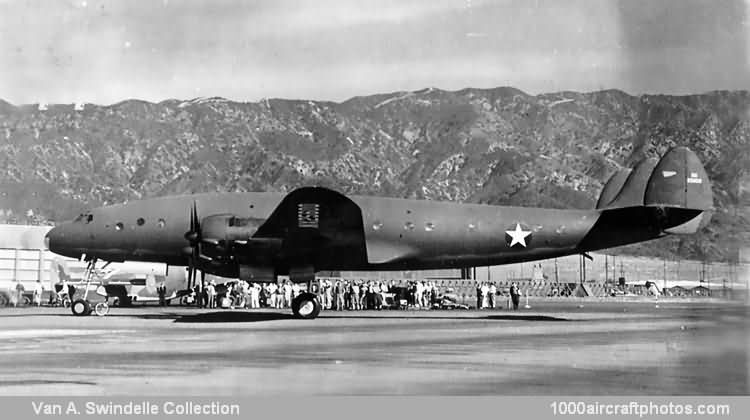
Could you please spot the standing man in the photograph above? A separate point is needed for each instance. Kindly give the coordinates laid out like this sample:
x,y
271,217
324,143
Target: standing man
x,y
287,294
338,296
255,296
38,290
492,294
328,294
479,295
211,292
514,296
18,294
161,290
485,293
355,296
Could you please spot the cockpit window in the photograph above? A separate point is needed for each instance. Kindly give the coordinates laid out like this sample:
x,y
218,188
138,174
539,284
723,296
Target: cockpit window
x,y
84,217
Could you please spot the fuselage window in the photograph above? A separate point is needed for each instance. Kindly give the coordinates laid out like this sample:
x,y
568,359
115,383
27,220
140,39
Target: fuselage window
x,y
161,223
140,221
429,226
119,226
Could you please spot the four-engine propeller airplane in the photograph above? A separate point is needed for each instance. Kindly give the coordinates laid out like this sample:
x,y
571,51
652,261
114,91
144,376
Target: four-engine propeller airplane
x,y
256,236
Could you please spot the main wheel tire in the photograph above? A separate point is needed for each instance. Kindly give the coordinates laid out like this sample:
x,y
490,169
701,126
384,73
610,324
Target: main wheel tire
x,y
80,307
306,306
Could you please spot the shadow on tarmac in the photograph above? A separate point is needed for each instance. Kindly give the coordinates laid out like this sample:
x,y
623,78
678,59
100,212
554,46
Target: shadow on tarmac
x,y
457,318
242,316
526,318
232,316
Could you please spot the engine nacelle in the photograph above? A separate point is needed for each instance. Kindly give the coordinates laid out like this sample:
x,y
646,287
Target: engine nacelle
x,y
228,228
226,237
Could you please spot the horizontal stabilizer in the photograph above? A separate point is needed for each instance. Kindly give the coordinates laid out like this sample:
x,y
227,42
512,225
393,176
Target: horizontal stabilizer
x,y
612,187
679,181
632,192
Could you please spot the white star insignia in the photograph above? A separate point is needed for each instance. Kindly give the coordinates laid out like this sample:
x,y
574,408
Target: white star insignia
x,y
518,236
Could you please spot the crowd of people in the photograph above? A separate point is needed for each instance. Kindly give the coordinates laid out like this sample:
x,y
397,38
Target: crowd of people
x,y
333,294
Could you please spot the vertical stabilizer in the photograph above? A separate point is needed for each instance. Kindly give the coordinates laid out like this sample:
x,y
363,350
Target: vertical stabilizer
x,y
612,187
679,181
632,192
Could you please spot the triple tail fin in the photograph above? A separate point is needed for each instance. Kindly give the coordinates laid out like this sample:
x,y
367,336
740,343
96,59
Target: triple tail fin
x,y
672,195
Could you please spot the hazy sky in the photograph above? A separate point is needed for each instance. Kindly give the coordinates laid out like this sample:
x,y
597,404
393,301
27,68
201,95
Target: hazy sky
x,y
107,51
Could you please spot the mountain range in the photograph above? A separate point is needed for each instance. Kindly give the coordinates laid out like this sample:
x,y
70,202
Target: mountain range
x,y
494,146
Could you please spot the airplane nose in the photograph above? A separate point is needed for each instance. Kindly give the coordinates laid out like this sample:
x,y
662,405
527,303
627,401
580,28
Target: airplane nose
x,y
55,239
51,237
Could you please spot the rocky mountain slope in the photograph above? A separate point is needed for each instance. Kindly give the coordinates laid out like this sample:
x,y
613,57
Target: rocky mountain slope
x,y
498,146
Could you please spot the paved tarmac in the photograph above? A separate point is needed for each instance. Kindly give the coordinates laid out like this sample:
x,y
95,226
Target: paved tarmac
x,y
555,348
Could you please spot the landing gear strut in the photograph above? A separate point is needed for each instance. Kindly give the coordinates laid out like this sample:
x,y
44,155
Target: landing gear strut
x,y
82,307
306,306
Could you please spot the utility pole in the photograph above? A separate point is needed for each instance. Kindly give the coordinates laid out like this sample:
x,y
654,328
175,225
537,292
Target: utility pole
x,y
557,280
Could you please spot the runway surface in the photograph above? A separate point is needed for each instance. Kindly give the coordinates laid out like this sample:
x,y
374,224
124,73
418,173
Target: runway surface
x,y
555,348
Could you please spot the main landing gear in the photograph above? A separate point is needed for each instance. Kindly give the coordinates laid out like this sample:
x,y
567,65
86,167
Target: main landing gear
x,y
306,306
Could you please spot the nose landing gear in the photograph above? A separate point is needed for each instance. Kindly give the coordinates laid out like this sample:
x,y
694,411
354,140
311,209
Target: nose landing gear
x,y
82,307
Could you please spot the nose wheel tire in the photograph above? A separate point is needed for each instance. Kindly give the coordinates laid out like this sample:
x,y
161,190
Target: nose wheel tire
x,y
101,308
80,307
306,306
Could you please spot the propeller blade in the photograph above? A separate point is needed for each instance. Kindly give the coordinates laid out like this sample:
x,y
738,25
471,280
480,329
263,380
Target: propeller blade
x,y
194,233
190,274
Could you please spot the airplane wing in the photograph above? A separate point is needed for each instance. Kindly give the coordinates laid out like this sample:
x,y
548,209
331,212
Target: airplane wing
x,y
315,223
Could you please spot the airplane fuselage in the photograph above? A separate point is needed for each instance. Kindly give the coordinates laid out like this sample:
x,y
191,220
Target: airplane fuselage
x,y
397,233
